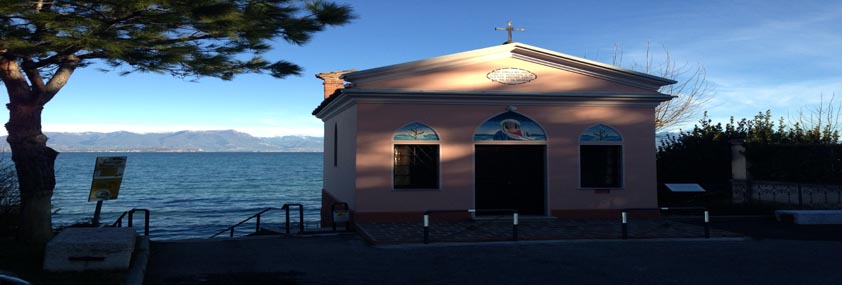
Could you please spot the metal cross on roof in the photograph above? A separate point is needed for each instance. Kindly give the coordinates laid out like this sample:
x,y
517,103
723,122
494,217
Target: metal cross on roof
x,y
509,29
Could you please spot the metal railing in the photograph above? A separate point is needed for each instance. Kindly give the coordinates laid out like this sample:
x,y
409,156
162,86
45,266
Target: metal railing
x,y
625,220
470,211
130,213
257,216
11,280
300,217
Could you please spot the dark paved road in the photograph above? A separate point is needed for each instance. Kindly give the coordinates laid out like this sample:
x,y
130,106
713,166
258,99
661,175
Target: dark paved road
x,y
775,255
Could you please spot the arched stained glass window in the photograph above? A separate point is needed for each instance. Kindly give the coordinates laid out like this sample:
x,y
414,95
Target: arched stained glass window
x,y
601,158
510,126
600,133
416,157
415,131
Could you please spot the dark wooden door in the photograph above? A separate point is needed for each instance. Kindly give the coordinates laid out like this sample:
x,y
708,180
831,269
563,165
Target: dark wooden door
x,y
510,177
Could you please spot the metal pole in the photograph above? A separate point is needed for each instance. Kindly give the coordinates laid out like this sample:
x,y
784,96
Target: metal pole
x,y
287,218
131,217
257,227
625,225
300,218
232,232
95,220
514,226
426,228
707,224
146,222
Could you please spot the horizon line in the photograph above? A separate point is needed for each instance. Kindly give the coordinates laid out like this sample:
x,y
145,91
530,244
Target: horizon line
x,y
178,131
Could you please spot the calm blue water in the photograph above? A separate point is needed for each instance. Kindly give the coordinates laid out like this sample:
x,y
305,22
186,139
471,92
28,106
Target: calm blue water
x,y
193,194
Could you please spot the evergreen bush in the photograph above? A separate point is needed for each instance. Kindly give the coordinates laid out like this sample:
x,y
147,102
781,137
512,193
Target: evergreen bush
x,y
775,151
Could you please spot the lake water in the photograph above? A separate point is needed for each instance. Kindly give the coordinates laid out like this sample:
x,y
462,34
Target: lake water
x,y
193,194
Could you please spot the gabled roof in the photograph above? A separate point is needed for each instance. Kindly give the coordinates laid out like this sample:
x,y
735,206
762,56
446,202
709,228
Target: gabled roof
x,y
469,77
512,50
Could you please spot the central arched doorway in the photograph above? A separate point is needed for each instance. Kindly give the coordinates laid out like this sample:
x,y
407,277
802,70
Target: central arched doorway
x,y
510,164
510,177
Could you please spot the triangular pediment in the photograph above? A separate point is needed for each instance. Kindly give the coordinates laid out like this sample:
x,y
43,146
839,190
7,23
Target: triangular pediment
x,y
514,67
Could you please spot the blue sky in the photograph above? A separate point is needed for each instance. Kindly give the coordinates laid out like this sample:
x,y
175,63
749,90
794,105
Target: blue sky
x,y
759,55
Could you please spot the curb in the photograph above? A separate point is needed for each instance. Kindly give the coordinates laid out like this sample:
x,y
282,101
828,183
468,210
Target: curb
x,y
534,242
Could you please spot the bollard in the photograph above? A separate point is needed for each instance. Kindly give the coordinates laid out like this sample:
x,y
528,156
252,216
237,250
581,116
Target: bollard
x,y
625,225
707,225
426,228
514,226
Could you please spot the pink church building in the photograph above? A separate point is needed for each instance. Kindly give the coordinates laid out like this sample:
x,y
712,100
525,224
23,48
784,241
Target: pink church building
x,y
505,127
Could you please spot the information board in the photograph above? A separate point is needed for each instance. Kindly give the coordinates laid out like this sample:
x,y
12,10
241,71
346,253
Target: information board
x,y
108,175
684,187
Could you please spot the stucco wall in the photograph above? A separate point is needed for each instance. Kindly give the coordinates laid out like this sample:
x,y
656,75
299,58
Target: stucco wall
x,y
473,77
456,124
339,179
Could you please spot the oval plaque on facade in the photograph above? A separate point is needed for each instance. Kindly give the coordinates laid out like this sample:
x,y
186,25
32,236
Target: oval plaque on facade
x,y
511,76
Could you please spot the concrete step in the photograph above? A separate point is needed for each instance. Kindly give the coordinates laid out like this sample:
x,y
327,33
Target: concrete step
x,y
810,217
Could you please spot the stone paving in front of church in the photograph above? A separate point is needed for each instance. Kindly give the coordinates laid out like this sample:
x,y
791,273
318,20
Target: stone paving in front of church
x,y
501,229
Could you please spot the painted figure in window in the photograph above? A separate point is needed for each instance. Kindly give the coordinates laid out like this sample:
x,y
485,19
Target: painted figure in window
x,y
510,131
509,126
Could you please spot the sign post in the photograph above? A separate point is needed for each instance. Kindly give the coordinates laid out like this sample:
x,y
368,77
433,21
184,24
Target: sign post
x,y
108,175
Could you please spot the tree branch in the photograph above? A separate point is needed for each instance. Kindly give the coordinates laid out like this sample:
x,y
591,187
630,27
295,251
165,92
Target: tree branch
x,y
35,80
60,78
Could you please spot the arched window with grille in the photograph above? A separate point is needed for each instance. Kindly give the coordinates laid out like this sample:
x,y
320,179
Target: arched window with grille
x,y
416,157
600,158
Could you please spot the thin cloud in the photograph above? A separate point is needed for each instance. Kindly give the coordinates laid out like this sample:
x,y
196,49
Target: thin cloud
x,y
741,98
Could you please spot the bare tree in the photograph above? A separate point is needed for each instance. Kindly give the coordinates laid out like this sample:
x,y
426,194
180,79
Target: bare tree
x,y
822,121
692,90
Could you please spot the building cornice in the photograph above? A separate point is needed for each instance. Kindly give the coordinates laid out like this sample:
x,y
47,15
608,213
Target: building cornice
x,y
351,96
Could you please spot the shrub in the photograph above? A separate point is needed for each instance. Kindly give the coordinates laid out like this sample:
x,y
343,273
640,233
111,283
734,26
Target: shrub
x,y
800,152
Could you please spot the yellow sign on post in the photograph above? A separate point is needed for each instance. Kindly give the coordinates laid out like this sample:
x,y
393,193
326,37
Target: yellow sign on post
x,y
108,174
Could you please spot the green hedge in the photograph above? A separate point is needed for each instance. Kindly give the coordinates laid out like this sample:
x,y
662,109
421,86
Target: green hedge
x,y
804,163
775,151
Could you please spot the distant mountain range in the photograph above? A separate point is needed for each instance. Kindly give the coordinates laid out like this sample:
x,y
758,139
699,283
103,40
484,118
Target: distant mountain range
x,y
183,141
190,141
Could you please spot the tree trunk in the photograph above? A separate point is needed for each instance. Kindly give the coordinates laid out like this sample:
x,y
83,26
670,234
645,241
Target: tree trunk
x,y
34,161
35,165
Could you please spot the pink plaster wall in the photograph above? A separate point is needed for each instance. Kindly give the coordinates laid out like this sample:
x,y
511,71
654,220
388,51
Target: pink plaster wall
x,y
339,180
472,77
366,184
456,124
